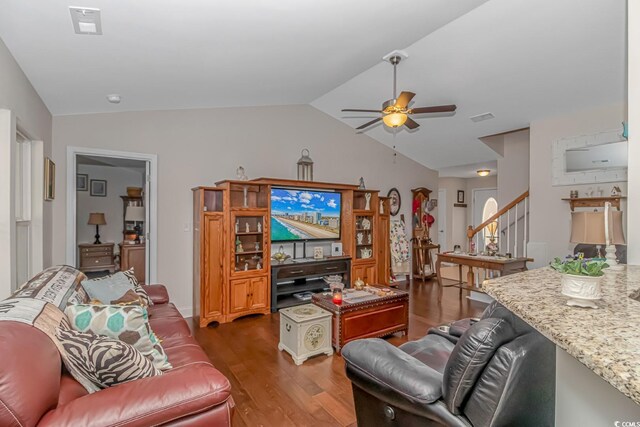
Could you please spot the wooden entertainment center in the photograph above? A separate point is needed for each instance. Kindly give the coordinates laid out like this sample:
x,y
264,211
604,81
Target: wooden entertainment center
x,y
233,273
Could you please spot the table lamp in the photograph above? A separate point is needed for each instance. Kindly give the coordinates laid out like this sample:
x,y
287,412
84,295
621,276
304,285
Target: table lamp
x,y
135,214
97,219
599,228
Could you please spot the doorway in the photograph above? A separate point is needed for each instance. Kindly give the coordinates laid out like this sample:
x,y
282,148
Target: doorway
x,y
442,220
484,206
111,221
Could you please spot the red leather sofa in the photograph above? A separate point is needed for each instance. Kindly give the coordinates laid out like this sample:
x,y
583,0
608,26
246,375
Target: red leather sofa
x,y
35,390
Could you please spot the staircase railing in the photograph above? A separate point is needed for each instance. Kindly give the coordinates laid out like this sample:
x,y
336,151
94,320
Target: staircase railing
x,y
503,216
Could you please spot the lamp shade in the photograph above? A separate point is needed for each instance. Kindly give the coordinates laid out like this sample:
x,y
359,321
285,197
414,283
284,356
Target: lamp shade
x,y
96,218
134,213
588,228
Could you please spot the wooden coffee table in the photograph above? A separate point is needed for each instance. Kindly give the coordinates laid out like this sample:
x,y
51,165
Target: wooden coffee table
x,y
368,317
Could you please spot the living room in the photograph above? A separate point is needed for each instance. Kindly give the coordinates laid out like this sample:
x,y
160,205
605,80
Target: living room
x,y
198,92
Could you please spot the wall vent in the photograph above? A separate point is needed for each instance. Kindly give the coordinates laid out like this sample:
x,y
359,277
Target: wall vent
x,y
86,20
482,117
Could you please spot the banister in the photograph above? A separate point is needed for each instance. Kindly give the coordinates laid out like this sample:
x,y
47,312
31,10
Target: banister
x,y
473,231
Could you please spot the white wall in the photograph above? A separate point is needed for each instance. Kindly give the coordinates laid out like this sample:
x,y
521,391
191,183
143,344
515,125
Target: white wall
x,y
513,167
118,179
199,147
458,218
29,114
550,220
633,57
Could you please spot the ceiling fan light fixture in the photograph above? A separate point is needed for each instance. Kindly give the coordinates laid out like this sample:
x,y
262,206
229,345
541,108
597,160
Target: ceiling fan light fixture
x,y
394,120
483,172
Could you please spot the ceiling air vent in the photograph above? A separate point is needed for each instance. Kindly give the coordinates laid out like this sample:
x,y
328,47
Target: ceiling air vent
x,y
86,20
481,117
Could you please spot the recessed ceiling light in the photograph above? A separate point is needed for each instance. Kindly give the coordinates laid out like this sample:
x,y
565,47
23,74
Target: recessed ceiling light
x,y
483,172
481,117
86,20
114,98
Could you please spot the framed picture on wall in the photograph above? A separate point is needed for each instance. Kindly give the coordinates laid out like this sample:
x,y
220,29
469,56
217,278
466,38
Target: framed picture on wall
x,y
49,179
82,182
99,188
460,196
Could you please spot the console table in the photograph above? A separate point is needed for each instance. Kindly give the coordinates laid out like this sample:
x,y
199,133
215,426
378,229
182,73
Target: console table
x,y
304,275
501,264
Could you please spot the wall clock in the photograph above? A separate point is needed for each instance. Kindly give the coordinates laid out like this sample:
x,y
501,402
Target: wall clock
x,y
394,201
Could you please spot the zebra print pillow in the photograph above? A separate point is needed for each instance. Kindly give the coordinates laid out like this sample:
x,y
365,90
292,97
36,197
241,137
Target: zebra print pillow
x,y
142,294
103,361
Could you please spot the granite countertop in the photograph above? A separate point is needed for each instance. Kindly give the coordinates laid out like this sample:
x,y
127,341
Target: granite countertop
x,y
606,340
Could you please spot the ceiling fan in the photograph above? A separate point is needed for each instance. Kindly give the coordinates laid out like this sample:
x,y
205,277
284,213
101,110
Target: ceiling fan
x,y
395,112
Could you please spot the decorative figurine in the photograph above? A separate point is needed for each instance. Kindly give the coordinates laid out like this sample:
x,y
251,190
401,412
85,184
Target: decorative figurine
x,y
616,191
367,204
381,206
361,184
369,238
258,266
359,237
246,228
245,199
257,246
239,247
259,227
366,224
237,226
240,174
246,266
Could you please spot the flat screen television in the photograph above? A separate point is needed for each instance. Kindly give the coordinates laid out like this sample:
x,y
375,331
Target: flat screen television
x,y
300,215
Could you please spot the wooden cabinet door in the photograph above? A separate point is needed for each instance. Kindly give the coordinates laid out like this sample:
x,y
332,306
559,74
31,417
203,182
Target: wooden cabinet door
x,y
259,293
366,272
212,290
239,291
384,250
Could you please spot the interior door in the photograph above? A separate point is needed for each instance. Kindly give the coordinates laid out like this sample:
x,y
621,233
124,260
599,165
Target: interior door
x,y
442,220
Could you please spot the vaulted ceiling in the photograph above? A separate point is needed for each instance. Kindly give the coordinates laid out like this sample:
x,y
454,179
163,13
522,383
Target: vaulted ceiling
x,y
519,59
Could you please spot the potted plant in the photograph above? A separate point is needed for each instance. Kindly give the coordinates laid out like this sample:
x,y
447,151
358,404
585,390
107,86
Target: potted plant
x,y
581,279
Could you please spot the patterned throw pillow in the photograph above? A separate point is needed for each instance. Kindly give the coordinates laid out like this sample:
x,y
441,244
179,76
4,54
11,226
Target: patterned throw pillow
x,y
130,274
103,361
129,323
113,289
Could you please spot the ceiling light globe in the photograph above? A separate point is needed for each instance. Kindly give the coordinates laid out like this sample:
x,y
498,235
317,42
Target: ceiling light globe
x,y
394,120
483,172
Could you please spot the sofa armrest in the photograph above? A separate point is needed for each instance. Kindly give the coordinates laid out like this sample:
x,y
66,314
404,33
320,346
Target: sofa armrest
x,y
157,293
157,400
390,374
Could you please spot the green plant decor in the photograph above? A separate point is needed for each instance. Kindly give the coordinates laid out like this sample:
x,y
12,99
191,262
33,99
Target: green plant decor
x,y
579,266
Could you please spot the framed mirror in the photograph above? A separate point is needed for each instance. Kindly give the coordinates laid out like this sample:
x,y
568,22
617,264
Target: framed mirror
x,y
589,159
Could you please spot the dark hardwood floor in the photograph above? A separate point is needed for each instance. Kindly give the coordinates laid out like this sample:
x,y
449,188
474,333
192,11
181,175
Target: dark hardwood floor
x,y
270,390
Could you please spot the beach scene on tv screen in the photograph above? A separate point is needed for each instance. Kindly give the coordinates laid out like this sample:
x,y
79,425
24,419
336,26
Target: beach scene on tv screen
x,y
304,214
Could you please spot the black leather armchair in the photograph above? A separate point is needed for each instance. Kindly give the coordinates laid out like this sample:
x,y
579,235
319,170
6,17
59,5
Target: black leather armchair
x,y
500,372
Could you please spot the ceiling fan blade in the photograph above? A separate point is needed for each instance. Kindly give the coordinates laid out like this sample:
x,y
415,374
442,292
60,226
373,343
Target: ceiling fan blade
x,y
360,111
404,99
435,109
410,123
366,125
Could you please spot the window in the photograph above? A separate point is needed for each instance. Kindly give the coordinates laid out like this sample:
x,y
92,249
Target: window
x,y
491,231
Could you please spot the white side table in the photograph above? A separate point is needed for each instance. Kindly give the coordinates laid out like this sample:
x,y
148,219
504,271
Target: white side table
x,y
305,331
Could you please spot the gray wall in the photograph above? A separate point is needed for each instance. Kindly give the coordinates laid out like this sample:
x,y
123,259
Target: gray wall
x,y
199,147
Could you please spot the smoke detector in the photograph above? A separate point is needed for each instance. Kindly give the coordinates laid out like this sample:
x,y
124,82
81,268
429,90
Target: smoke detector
x,y
114,98
86,20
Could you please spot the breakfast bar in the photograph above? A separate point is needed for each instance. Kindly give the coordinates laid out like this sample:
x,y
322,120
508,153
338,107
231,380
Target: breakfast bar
x,y
597,350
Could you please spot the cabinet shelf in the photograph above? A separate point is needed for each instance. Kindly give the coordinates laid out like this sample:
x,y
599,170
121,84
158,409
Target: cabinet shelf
x,y
248,253
364,229
311,285
364,244
250,233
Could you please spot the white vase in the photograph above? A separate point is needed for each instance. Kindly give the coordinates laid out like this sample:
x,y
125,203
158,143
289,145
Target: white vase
x,y
582,290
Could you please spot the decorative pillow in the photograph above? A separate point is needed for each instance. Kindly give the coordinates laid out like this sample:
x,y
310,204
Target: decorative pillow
x,y
103,361
113,289
129,323
130,274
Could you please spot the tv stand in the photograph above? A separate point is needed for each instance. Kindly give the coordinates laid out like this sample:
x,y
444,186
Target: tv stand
x,y
304,275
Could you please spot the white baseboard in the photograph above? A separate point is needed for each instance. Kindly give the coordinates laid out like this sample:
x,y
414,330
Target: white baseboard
x,y
186,311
